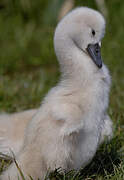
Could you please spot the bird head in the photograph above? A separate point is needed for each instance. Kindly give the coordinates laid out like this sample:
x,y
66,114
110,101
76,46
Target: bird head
x,y
85,27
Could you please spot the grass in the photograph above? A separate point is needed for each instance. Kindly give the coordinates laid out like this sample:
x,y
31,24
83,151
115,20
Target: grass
x,y
28,69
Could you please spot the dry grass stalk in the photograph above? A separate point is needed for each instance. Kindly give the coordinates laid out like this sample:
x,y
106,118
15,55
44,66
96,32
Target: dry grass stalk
x,y
66,7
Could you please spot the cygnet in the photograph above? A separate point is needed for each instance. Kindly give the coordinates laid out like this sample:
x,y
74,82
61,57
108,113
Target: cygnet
x,y
72,121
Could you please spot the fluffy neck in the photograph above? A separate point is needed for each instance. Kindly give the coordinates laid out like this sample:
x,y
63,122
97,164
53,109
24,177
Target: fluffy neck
x,y
75,65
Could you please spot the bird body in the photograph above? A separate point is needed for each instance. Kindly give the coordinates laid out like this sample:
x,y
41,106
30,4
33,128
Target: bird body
x,y
72,120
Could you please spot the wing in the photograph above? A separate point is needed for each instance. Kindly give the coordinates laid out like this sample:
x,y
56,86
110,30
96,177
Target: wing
x,y
70,117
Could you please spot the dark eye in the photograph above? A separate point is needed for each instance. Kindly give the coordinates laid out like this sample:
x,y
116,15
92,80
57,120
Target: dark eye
x,y
93,32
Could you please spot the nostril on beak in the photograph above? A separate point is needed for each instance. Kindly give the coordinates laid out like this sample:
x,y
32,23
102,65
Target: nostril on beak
x,y
97,50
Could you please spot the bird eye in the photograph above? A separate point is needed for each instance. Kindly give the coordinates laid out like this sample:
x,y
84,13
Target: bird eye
x,y
93,32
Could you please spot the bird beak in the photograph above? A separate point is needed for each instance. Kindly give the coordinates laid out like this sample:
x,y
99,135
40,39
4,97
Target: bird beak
x,y
95,53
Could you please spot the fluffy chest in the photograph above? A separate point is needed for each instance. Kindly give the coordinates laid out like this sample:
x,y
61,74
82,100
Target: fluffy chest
x,y
94,99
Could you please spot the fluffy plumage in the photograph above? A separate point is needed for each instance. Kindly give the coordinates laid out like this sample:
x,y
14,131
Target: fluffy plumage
x,y
72,120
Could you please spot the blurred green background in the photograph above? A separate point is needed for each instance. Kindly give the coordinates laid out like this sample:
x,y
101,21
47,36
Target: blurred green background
x,y
28,65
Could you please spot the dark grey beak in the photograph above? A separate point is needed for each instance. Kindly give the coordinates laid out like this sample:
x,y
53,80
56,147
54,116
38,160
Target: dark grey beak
x,y
95,53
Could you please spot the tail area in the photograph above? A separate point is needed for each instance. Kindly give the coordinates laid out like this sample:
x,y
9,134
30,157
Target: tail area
x,y
12,128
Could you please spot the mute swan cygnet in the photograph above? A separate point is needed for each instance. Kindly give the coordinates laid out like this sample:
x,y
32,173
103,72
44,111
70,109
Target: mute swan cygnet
x,y
72,120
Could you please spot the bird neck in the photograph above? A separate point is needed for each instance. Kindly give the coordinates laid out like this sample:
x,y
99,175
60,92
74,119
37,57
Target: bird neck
x,y
75,65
